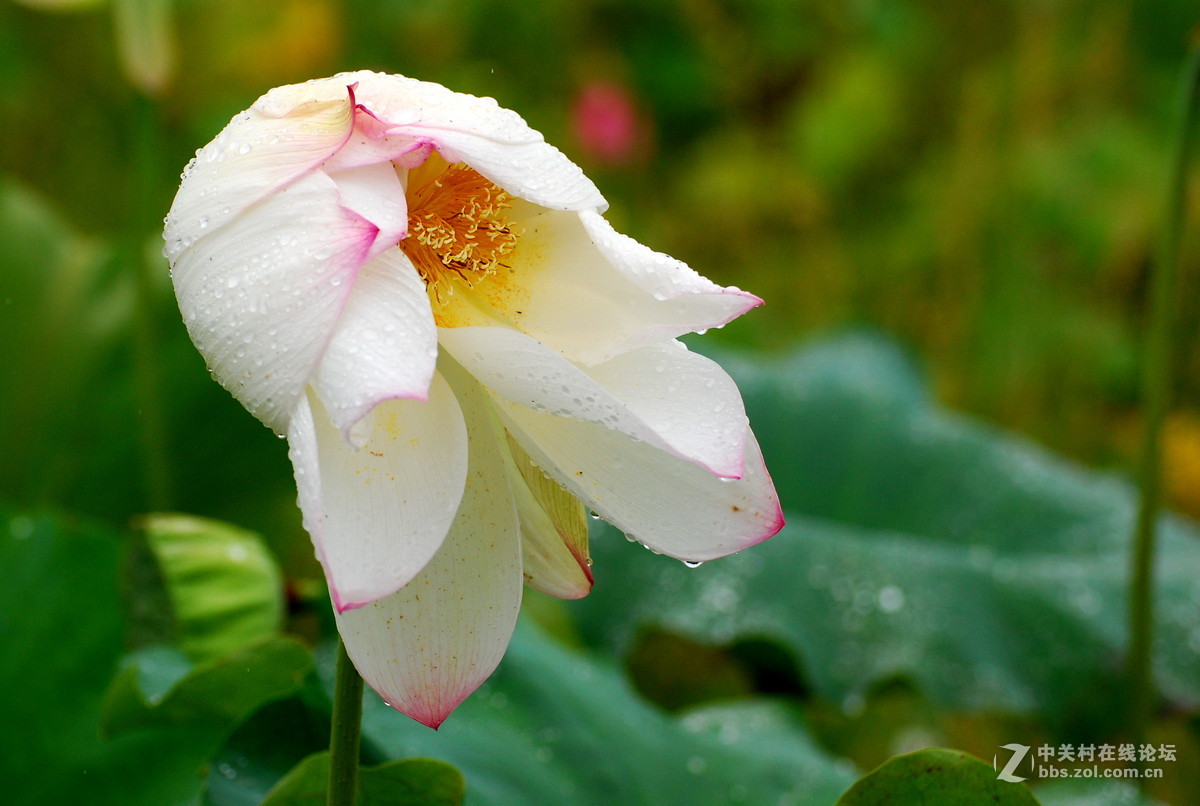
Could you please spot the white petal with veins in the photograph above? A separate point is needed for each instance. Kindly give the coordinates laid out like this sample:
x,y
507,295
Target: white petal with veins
x,y
379,513
686,399
261,297
668,504
256,155
430,644
664,396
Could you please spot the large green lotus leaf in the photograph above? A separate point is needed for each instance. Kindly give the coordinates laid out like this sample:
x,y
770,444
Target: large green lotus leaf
x,y
216,694
935,777
63,632
412,782
556,726
266,747
921,545
224,587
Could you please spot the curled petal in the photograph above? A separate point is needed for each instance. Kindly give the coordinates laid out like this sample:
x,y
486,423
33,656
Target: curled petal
x,y
430,644
374,193
407,116
261,151
669,505
384,347
371,144
494,141
664,396
378,514
261,296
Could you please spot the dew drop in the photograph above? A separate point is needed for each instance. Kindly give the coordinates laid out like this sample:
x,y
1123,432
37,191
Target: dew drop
x,y
693,563
891,599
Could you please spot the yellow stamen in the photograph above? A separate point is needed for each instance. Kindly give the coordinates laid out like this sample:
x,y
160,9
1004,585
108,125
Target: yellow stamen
x,y
456,227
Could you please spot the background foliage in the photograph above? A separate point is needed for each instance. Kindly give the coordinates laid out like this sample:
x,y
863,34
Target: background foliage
x,y
951,209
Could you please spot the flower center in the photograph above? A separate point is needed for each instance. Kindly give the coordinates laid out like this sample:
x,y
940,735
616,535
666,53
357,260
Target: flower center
x,y
455,225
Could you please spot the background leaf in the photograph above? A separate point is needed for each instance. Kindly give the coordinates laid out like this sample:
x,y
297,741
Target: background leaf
x,y
413,782
935,777
225,588
63,629
218,693
920,545
555,726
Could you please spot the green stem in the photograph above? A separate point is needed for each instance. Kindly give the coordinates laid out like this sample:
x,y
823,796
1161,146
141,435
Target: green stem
x,y
344,732
1156,389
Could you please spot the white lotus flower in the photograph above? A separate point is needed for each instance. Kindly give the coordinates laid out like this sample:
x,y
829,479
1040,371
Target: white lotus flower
x,y
422,295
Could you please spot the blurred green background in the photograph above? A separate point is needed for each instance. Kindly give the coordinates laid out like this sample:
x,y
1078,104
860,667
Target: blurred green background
x,y
981,182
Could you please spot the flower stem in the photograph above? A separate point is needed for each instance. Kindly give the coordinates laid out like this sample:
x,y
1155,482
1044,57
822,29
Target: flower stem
x,y
344,732
1156,388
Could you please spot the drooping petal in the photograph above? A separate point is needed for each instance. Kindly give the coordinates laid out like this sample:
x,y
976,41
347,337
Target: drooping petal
x,y
494,141
670,505
430,644
554,530
260,151
384,347
663,395
261,296
577,286
666,278
686,398
379,513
